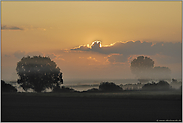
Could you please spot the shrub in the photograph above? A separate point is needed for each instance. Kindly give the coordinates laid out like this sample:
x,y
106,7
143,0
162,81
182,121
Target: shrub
x,y
160,86
109,86
92,90
63,89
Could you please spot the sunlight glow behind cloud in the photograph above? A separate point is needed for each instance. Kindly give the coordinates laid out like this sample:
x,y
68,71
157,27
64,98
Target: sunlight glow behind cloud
x,y
126,30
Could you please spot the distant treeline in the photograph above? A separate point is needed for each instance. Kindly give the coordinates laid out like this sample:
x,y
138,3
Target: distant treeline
x,y
111,87
40,73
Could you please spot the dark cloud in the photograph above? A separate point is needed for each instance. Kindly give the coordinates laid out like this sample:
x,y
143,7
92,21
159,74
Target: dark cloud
x,y
82,48
136,48
10,28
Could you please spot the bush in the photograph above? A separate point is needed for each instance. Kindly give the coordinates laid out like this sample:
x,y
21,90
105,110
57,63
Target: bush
x,y
160,86
7,87
92,90
109,86
63,89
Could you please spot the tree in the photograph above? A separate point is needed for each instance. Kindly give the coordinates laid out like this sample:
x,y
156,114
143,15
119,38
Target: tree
x,y
38,73
7,87
142,67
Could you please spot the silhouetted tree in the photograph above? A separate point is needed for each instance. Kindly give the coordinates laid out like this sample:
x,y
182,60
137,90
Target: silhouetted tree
x,y
142,67
38,73
160,86
7,87
109,86
92,90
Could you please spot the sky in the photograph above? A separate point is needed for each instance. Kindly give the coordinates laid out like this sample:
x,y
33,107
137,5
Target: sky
x,y
66,30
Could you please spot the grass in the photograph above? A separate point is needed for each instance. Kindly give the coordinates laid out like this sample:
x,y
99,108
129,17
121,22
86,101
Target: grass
x,y
121,106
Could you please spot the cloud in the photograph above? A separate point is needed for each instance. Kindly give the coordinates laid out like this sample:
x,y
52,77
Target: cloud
x,y
51,55
95,46
5,55
25,28
11,28
54,56
117,58
19,54
165,59
82,48
128,48
93,59
35,53
34,28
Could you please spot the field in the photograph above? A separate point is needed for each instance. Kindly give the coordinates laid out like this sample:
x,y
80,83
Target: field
x,y
123,106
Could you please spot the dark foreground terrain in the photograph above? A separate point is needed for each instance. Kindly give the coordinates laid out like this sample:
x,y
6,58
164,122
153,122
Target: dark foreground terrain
x,y
124,106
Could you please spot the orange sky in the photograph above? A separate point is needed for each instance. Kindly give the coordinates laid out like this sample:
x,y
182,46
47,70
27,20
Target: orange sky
x,y
49,28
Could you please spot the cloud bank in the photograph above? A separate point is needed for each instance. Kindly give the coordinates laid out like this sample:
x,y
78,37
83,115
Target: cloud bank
x,y
20,54
112,61
10,28
120,51
25,28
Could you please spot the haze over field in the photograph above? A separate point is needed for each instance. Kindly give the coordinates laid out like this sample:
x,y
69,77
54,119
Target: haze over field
x,y
92,39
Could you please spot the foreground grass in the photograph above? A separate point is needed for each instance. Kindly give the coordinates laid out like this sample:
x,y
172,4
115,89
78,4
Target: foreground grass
x,y
121,106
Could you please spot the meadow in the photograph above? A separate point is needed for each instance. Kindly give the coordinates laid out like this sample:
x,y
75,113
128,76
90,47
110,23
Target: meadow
x,y
77,106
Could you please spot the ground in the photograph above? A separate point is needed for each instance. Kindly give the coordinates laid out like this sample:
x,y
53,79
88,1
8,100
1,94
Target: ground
x,y
121,106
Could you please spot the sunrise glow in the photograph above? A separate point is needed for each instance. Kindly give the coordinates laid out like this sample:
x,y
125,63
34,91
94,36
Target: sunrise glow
x,y
97,42
67,33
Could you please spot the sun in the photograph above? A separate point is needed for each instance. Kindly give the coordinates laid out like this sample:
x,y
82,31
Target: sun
x,y
97,42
